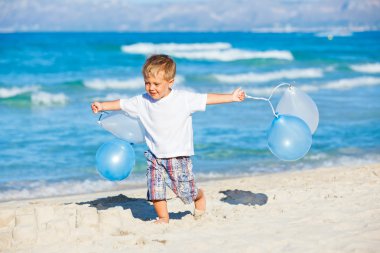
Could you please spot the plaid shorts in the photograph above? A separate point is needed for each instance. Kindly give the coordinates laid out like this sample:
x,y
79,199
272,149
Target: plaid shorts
x,y
175,172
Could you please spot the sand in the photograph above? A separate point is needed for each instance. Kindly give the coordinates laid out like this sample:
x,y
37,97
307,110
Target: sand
x,y
320,210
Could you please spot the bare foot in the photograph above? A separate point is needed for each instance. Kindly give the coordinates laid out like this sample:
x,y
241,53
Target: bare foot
x,y
198,214
161,221
200,201
161,208
200,205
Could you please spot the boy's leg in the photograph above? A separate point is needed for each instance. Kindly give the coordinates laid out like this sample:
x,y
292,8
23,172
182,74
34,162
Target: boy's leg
x,y
156,187
161,208
200,204
200,201
183,184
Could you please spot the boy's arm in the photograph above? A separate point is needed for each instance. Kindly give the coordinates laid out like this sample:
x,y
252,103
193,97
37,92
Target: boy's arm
x,y
237,95
105,106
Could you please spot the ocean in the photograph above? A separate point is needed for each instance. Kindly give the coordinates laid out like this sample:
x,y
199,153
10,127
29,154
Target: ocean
x,y
49,136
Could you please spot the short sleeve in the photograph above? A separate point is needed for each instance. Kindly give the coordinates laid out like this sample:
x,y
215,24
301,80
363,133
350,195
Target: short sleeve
x,y
130,106
196,101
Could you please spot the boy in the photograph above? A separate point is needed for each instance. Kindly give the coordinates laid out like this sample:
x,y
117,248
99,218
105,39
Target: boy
x,y
166,116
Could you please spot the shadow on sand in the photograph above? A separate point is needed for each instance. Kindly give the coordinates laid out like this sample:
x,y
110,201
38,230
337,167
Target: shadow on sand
x,y
140,208
235,197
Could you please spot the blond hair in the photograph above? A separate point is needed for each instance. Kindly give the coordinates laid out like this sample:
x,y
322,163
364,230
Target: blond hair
x,y
159,62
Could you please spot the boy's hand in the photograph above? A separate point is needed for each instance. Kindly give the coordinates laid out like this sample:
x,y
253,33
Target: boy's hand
x,y
238,95
96,107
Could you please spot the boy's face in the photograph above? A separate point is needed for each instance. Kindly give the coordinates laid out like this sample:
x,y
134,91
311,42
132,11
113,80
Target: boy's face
x,y
157,87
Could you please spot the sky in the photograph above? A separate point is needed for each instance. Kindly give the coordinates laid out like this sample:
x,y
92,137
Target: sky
x,y
190,15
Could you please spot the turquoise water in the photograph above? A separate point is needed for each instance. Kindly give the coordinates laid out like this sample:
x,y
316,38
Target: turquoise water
x,y
49,136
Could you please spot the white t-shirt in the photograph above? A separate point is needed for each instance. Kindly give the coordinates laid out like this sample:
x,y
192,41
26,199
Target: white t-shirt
x,y
168,121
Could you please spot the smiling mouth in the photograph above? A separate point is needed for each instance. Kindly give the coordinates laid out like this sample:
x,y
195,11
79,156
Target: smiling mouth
x,y
153,94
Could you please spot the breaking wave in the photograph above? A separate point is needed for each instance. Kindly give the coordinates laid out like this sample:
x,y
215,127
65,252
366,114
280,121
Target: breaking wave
x,y
48,99
341,84
205,51
128,84
372,68
270,76
16,91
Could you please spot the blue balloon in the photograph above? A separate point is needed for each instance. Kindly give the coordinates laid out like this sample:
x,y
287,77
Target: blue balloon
x,y
289,138
115,160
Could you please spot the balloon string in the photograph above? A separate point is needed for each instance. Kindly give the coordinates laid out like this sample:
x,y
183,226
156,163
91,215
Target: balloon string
x,y
101,115
268,99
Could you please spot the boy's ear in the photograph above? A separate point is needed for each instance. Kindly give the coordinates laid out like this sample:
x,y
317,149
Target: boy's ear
x,y
171,82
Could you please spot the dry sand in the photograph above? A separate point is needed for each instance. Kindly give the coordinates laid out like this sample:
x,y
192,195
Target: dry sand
x,y
322,210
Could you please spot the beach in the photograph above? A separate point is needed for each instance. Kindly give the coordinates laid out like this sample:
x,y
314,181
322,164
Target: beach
x,y
52,198
292,167
318,210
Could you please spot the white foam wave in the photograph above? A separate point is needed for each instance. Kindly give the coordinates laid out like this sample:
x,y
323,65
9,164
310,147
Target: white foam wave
x,y
270,76
372,68
234,55
350,160
129,84
344,84
341,84
15,91
42,189
150,48
205,51
45,98
103,84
